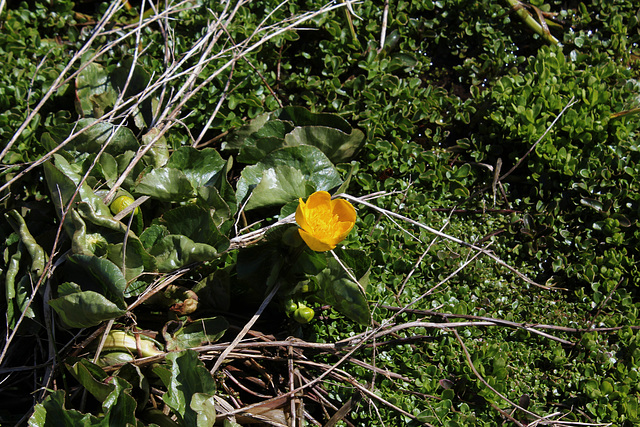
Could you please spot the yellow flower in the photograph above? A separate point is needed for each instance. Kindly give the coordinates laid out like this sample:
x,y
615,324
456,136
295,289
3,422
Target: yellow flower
x,y
324,222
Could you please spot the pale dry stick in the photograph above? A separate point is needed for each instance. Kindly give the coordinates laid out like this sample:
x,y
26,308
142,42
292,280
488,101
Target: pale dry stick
x,y
432,325
197,69
59,147
126,211
365,336
162,282
113,8
61,80
533,328
106,332
134,62
46,157
277,30
344,377
448,237
383,32
246,328
170,113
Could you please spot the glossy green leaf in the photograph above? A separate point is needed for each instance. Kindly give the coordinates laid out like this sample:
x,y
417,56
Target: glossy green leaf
x,y
91,377
335,144
165,184
17,289
200,167
119,138
106,274
285,175
37,254
267,139
52,413
153,234
188,377
300,116
339,290
220,209
158,155
62,187
119,407
94,92
175,251
193,222
204,406
83,309
136,258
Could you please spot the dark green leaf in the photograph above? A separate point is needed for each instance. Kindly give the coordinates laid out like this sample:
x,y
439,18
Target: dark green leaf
x,y
106,274
83,309
175,251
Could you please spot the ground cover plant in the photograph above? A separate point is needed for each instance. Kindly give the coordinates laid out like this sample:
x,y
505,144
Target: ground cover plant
x,y
298,213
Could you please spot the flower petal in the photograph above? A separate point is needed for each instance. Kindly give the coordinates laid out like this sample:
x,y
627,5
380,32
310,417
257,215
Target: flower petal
x,y
318,198
314,243
345,210
301,215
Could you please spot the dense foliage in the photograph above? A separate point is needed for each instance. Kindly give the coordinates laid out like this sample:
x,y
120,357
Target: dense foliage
x,y
504,288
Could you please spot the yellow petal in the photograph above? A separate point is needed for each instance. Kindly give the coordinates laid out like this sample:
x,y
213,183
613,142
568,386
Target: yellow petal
x,y
301,215
318,198
345,210
314,243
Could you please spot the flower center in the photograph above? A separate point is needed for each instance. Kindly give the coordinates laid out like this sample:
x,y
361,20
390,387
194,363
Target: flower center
x,y
323,221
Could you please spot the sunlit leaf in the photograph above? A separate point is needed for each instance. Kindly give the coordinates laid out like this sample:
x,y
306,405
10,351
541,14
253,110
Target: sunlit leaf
x,y
200,167
337,145
165,184
288,173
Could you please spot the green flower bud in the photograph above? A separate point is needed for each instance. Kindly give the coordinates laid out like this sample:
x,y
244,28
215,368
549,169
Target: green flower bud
x,y
303,314
121,203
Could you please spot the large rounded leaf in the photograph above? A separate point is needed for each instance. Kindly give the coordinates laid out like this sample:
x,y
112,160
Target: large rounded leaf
x,y
285,175
175,251
165,184
336,144
94,93
195,223
201,167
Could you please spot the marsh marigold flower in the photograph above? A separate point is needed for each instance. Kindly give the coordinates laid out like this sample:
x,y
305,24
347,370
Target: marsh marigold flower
x,y
324,222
